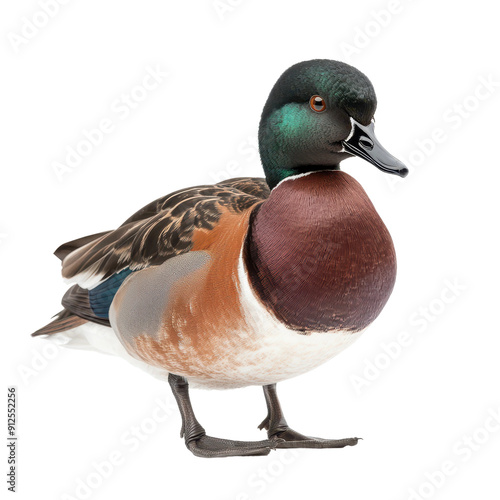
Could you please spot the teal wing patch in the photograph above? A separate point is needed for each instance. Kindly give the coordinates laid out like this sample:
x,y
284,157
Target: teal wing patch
x,y
101,296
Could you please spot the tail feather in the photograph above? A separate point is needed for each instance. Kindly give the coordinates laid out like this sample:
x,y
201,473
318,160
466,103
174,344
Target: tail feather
x,y
65,321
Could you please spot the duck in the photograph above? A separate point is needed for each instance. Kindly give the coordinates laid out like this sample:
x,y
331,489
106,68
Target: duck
x,y
249,281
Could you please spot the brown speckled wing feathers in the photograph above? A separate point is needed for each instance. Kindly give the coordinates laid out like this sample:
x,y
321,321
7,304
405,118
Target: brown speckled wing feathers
x,y
162,229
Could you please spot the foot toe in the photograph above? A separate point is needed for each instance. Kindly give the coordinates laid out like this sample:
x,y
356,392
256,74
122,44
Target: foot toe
x,y
318,443
210,447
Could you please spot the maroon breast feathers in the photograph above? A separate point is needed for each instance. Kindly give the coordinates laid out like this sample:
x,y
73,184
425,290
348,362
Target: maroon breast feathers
x,y
319,256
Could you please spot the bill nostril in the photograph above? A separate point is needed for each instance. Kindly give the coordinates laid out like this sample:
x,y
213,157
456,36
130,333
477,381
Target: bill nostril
x,y
366,143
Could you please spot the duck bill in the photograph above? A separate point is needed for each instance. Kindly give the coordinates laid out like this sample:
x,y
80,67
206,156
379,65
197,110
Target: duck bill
x,y
363,143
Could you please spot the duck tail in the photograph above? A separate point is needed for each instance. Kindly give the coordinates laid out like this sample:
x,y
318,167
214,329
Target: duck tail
x,y
64,320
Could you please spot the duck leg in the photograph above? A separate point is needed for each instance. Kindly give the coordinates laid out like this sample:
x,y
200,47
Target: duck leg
x,y
277,428
196,438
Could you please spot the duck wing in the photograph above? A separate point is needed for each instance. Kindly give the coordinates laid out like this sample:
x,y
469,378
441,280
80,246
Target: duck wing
x,y
160,230
164,228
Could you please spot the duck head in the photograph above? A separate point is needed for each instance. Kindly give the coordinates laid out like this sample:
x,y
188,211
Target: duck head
x,y
319,113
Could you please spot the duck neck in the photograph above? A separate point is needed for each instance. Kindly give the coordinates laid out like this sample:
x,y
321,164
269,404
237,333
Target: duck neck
x,y
317,249
283,154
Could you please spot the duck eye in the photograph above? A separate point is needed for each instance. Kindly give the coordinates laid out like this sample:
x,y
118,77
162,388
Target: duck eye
x,y
317,103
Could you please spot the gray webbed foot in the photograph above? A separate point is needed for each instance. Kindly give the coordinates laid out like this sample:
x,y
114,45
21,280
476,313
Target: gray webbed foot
x,y
211,447
277,428
293,439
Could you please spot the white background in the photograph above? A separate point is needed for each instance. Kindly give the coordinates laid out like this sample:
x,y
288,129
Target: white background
x,y
427,61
